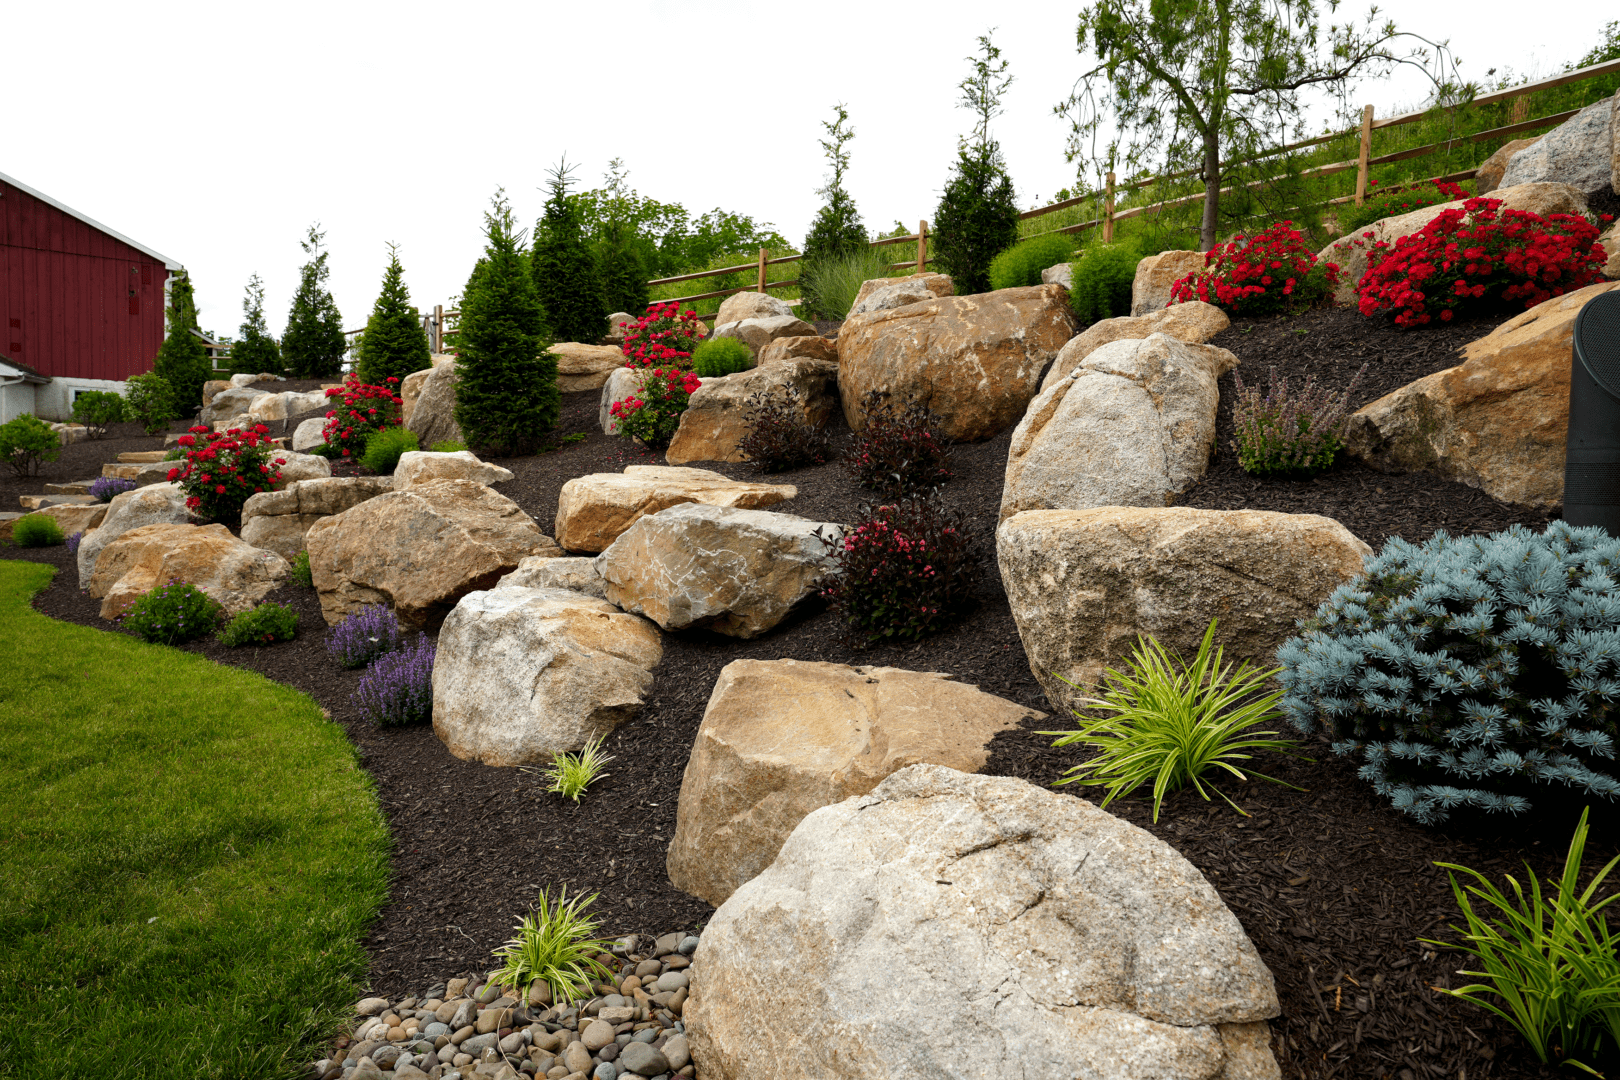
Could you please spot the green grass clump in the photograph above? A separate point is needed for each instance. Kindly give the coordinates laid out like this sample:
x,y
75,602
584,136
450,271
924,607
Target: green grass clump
x,y
557,945
36,530
721,356
449,446
262,625
571,774
1021,264
384,449
831,284
183,886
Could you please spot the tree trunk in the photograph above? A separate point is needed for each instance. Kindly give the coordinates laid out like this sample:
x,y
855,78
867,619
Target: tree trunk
x,y
1212,187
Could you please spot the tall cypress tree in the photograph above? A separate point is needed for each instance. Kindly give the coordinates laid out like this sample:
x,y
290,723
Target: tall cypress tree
x,y
506,384
623,273
977,217
394,344
255,350
313,344
565,277
182,360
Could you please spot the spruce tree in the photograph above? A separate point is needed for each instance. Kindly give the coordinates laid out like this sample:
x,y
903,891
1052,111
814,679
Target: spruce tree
x,y
837,230
312,345
394,344
565,276
506,383
622,271
182,360
255,350
977,217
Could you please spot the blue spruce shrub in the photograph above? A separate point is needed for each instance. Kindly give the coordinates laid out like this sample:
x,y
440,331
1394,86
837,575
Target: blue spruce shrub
x,y
1467,671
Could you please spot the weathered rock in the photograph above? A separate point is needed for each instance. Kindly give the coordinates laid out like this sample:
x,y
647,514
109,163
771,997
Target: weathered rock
x,y
1150,290
212,387
1063,942
594,510
976,361
1133,426
808,347
750,305
617,323
883,294
239,422
1083,584
270,407
522,674
781,738
68,434
141,474
307,435
621,383
1498,421
585,367
1061,274
247,379
758,333
1489,177
234,573
574,573
1611,244
716,417
433,416
420,466
737,572
160,504
76,519
1195,322
278,521
419,551
296,467
1579,152
140,457
227,404
410,387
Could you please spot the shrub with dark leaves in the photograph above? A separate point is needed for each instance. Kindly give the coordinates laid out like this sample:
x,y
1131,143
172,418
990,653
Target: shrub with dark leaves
x,y
903,570
900,452
363,636
778,438
172,614
398,687
106,488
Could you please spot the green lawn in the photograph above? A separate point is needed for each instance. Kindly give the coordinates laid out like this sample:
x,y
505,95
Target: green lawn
x,y
189,855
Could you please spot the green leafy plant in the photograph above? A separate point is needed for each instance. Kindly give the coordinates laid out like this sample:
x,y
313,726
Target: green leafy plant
x,y
1286,434
301,573
555,944
255,351
36,530
1100,282
25,441
1550,958
262,625
1021,264
571,774
450,446
1391,203
383,449
394,343
977,217
172,614
1170,722
837,228
721,356
96,409
149,402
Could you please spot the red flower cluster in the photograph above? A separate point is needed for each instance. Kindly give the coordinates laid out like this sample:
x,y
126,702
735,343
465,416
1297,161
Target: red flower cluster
x,y
664,335
1480,253
1270,271
364,409
222,471
654,412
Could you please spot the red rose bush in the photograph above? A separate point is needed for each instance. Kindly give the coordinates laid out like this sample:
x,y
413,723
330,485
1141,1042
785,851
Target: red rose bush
x,y
223,470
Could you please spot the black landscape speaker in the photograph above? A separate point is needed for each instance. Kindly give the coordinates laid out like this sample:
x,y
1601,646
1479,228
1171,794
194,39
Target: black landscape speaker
x,y
1592,462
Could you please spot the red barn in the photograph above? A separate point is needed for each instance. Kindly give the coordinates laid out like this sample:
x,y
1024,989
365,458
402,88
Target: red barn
x,y
81,306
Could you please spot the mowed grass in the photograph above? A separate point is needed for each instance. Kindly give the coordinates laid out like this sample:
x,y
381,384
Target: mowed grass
x,y
189,854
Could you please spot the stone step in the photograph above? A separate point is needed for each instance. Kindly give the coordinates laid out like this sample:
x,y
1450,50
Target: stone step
x,y
35,502
120,472
72,487
140,457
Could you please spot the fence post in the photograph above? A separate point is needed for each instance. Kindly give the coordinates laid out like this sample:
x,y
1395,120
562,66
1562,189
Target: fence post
x,y
438,328
1366,154
762,254
1108,212
922,247
1521,109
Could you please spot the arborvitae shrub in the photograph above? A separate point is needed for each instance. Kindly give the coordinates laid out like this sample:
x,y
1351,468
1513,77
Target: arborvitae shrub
x,y
394,343
182,360
255,350
976,220
622,271
721,356
1470,671
564,268
1021,264
1100,283
312,346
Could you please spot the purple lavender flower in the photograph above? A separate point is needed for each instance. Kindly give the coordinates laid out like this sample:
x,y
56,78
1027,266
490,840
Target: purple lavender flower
x,y
73,543
398,687
105,487
363,636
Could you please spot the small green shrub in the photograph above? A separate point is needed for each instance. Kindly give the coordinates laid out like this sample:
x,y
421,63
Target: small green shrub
x,y
263,625
383,449
571,774
450,446
96,409
25,442
36,530
1021,264
1170,727
301,573
721,356
1101,280
149,402
555,944
172,614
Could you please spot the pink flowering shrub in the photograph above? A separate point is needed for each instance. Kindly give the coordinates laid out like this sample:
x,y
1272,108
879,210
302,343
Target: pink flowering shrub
x,y
664,337
1268,272
899,452
221,471
653,412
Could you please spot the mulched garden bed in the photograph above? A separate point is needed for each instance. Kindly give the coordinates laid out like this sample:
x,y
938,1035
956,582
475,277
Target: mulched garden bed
x,y
1334,888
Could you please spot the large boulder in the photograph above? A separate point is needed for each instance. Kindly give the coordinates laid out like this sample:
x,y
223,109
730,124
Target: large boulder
x,y
1047,938
1083,584
621,383
595,510
249,379
737,572
296,467
270,407
1194,322
974,360
72,518
226,404
781,738
278,521
884,294
1134,425
1579,152
1150,289
410,387
433,414
574,573
1489,176
234,573
716,418
420,466
140,473
160,504
419,551
584,367
807,347
616,325
1498,421
212,387
750,305
758,333
522,674
308,435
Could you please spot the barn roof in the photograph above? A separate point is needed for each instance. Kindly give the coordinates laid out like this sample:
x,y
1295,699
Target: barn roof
x,y
92,222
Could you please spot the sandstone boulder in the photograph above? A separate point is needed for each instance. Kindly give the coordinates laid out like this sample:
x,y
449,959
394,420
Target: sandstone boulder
x,y
976,361
781,738
883,294
278,521
576,574
1083,584
585,367
1061,274
1499,421
716,418
248,379
420,466
809,347
1195,323
227,404
737,572
76,519
160,504
621,383
1489,177
236,574
419,551
1579,152
307,435
616,325
296,467
212,387
1150,289
68,434
758,333
433,414
750,305
594,510
270,407
410,387
141,474
522,674
1611,244
1059,940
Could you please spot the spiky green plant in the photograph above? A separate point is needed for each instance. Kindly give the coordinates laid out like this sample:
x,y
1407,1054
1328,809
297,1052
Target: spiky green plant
x,y
1170,722
571,774
555,944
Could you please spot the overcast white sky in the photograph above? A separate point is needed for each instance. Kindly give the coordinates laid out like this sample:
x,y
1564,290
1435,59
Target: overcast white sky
x,y
216,133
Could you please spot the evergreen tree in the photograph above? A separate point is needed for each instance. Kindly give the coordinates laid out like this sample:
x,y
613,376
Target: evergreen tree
x,y
394,344
837,229
506,383
312,345
182,360
622,271
255,351
565,277
977,217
